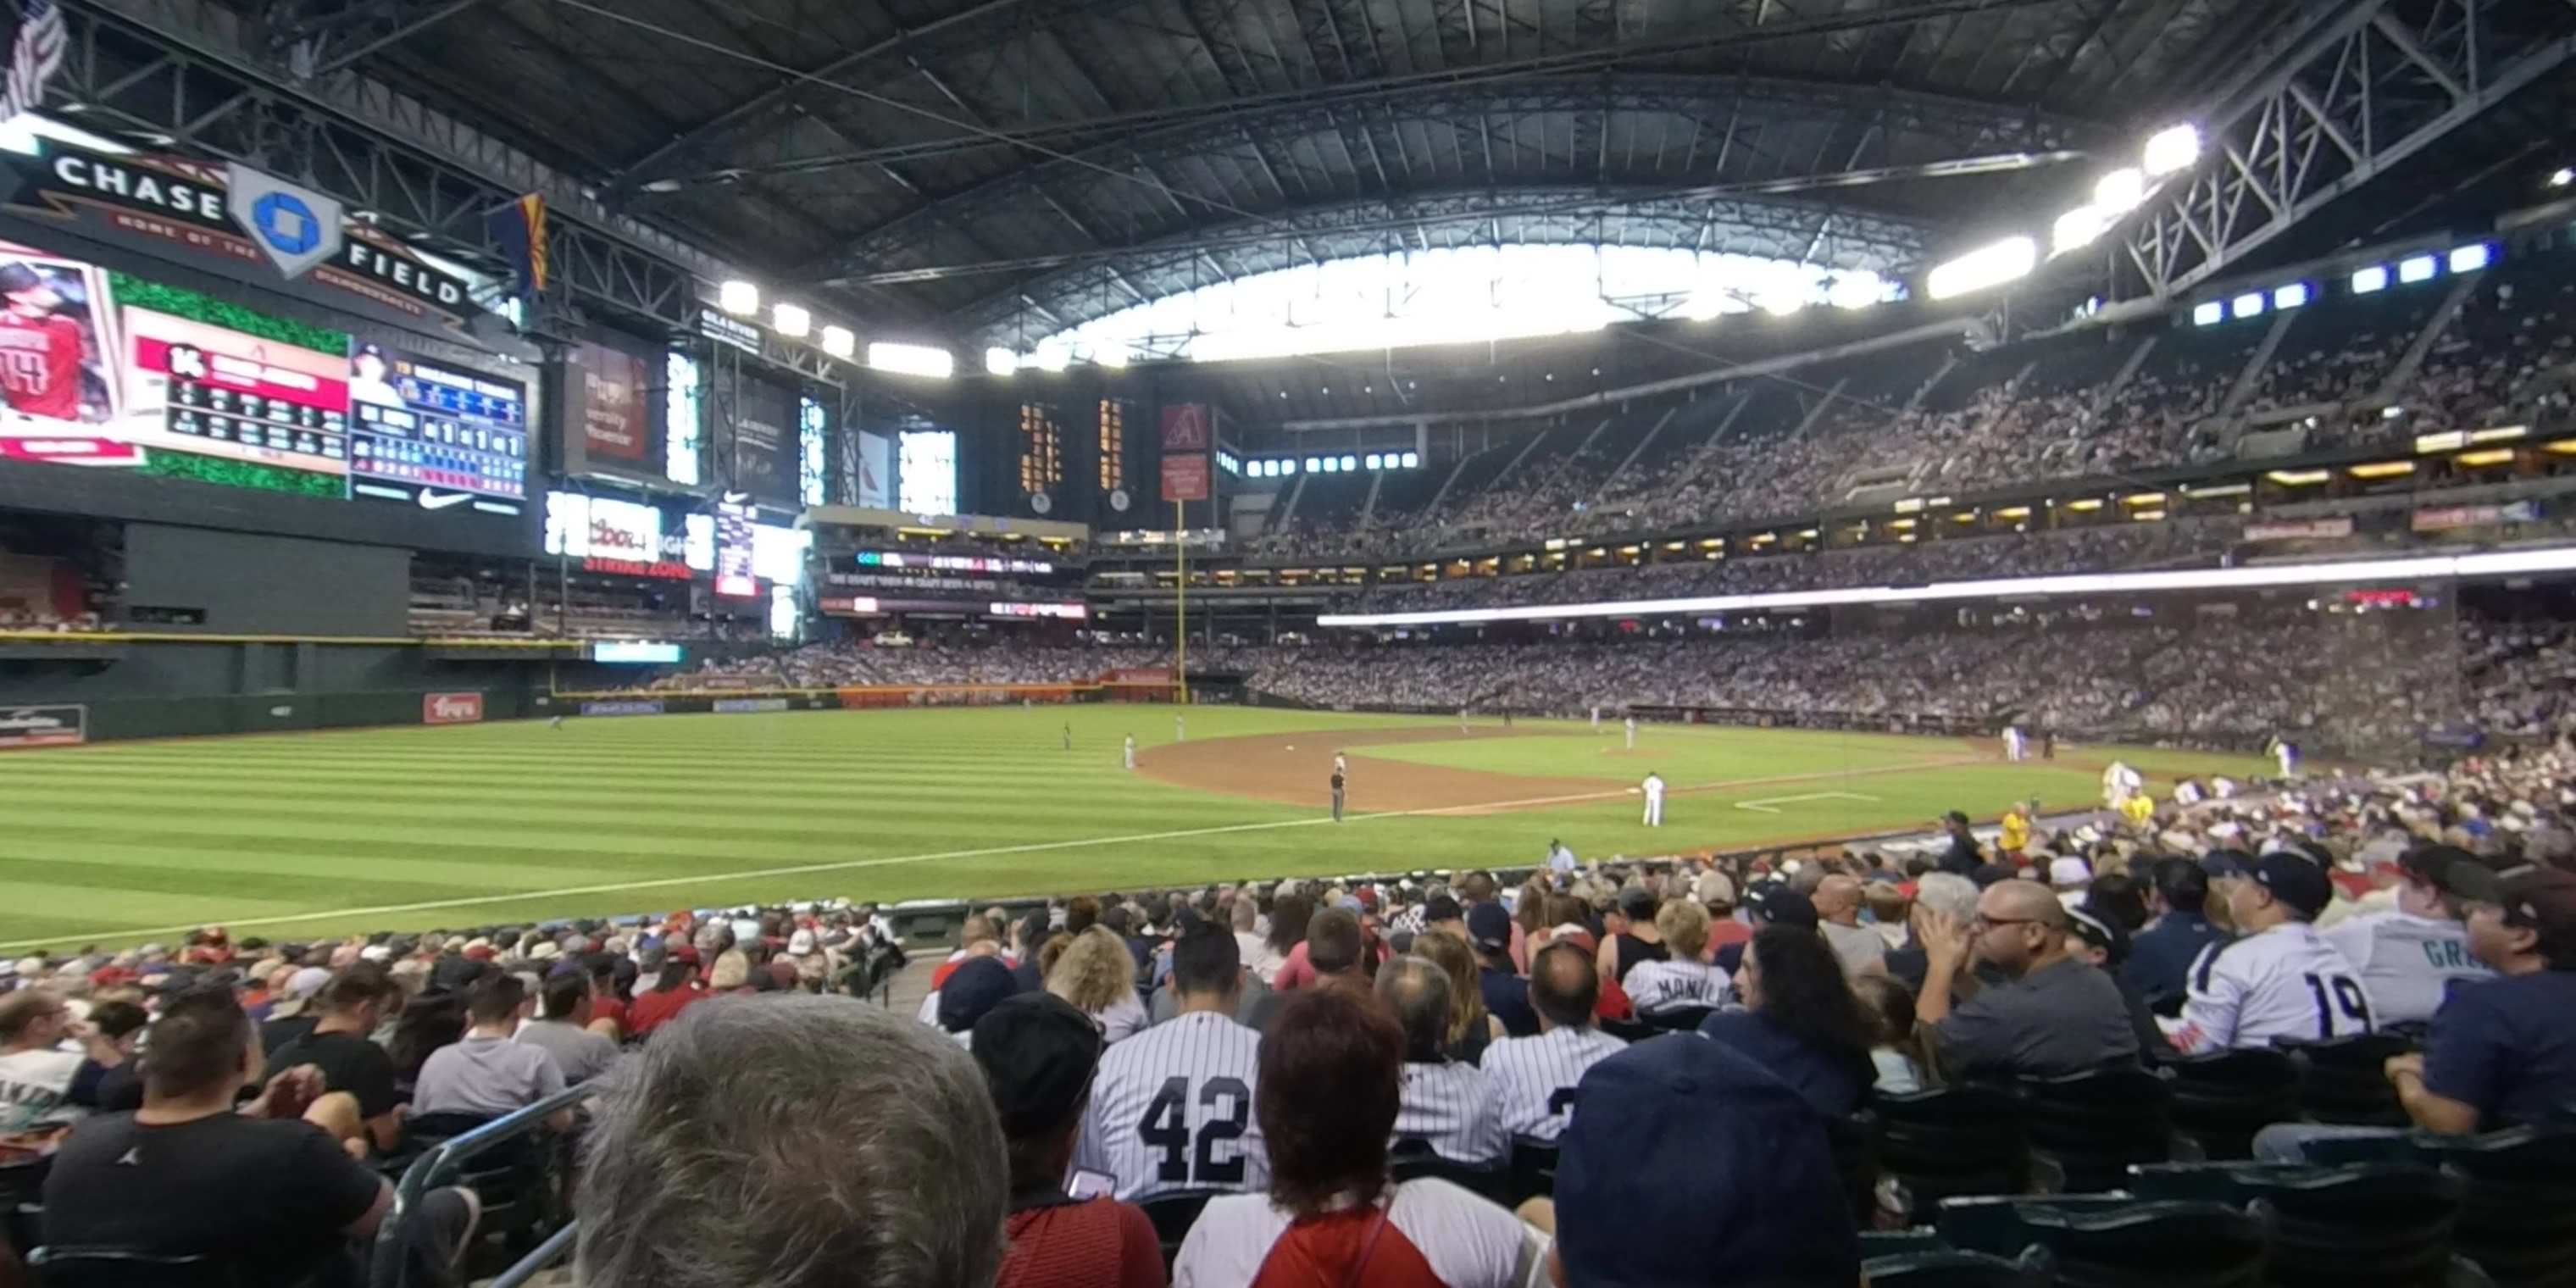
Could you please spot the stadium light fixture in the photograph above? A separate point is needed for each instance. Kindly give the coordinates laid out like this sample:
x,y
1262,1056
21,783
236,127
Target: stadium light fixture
x,y
2250,304
838,342
1000,361
739,298
791,320
1412,460
1051,356
2562,177
2120,191
2501,563
2208,313
1314,465
2472,257
2367,280
2077,229
2291,296
2171,149
2417,268
1350,462
1987,266
1374,460
912,359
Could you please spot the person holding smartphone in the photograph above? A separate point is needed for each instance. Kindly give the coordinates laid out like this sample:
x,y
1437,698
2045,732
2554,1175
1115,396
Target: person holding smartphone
x,y
1038,1053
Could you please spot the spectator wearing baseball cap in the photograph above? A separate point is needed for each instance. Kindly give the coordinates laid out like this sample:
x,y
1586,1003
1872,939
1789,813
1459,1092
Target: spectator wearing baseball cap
x,y
2408,957
2501,1051
977,986
1775,903
2281,979
1690,1163
677,990
1489,932
1038,1053
2504,1050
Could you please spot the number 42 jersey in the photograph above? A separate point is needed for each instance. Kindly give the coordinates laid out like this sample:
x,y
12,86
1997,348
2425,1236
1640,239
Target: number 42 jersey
x,y
2286,982
1171,1109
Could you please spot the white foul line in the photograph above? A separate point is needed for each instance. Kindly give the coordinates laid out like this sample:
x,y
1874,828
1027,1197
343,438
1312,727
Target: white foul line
x,y
1771,804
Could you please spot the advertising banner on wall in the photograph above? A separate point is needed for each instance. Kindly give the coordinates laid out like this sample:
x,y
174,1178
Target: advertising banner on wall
x,y
51,726
608,411
2300,529
451,708
761,416
242,222
876,472
621,708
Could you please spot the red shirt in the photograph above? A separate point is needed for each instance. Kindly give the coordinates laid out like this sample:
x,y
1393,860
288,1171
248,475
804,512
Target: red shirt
x,y
1100,1244
660,1007
609,1008
40,365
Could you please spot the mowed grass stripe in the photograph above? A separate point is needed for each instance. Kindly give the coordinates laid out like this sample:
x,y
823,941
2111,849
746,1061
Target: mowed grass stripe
x,y
288,890
336,866
779,805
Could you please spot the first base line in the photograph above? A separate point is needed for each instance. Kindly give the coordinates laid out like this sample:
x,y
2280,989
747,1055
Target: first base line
x,y
1772,804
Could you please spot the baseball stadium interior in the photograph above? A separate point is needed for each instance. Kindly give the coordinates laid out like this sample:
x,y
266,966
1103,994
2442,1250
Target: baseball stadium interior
x,y
1558,643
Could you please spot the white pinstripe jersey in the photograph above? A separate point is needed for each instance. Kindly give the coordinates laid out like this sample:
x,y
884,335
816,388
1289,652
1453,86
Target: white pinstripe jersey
x,y
1656,987
2286,982
1171,1109
1451,1105
1534,1077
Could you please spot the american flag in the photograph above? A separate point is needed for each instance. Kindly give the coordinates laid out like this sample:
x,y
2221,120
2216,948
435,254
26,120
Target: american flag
x,y
34,58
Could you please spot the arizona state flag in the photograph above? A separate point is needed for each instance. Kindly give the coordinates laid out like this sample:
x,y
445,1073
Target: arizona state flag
x,y
519,229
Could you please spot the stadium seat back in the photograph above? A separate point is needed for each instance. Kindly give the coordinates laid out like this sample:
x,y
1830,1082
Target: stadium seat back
x,y
22,1193
1952,1141
2518,1208
1173,1212
1685,1020
1952,1269
1533,1169
2343,1080
1854,1141
104,1267
2117,1242
2095,1126
2222,1098
1413,1160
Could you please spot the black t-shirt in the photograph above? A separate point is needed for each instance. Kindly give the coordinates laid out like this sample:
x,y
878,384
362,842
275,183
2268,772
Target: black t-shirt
x,y
349,1063
277,1033
269,1199
1633,950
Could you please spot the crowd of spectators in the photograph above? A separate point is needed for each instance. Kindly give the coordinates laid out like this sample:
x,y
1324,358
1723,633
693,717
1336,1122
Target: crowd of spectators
x,y
1318,1054
859,663
2366,682
2502,358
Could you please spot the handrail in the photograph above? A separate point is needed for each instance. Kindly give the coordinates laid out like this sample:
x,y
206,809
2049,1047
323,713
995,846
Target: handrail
x,y
539,1260
433,1168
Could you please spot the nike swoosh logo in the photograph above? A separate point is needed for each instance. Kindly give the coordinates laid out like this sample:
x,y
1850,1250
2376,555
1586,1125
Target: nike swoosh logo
x,y
433,501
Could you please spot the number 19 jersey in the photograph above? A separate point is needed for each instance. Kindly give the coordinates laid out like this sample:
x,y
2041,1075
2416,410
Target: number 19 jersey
x,y
2286,982
1171,1109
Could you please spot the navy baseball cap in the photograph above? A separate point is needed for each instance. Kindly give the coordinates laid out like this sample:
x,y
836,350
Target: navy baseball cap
x,y
973,989
2227,864
1689,1163
1489,926
2295,880
1780,904
1038,1052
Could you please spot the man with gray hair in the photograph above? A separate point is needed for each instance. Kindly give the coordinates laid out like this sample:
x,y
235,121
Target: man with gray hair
x,y
1446,1104
1949,894
794,1142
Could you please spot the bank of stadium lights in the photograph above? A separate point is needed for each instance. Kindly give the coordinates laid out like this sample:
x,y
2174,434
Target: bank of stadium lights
x,y
791,320
838,342
912,359
1352,463
1987,266
2562,176
739,298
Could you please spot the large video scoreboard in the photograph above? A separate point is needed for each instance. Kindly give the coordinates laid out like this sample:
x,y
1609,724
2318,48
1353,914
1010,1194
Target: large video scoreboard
x,y
107,371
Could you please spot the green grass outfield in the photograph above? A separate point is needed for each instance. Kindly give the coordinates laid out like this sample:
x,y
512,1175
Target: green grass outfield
x,y
416,828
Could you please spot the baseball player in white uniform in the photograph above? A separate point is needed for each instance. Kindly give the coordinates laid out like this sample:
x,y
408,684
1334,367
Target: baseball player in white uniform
x,y
1462,719
1534,1077
1632,733
2286,753
1446,1104
2016,747
1131,751
1653,787
2282,979
2119,783
1180,728
1596,717
1171,1107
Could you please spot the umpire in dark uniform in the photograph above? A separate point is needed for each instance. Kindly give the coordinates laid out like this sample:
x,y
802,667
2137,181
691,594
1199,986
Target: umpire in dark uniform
x,y
1337,795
